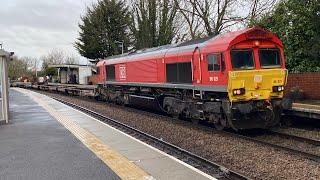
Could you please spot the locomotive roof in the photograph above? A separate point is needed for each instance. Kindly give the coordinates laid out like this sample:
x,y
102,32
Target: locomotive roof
x,y
222,41
161,50
195,41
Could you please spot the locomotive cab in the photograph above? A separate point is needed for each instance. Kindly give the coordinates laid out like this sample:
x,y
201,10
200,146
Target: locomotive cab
x,y
256,82
257,74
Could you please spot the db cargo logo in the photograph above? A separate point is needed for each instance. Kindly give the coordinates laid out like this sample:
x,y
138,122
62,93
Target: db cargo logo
x,y
122,70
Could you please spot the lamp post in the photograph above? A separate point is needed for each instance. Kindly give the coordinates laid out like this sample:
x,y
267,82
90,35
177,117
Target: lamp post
x,y
35,64
120,42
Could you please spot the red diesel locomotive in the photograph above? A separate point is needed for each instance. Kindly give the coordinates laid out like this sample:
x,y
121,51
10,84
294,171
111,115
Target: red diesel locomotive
x,y
234,80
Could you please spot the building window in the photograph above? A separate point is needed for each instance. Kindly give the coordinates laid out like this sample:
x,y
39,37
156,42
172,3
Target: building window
x,y
214,62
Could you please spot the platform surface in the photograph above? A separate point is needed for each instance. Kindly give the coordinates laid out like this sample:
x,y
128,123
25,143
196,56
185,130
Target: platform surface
x,y
308,104
35,146
305,108
156,164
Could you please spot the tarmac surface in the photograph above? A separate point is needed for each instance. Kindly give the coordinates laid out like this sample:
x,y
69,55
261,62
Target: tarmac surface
x,y
36,146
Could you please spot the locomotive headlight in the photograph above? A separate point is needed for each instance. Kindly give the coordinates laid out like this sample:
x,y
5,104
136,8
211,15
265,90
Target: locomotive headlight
x,y
277,88
239,91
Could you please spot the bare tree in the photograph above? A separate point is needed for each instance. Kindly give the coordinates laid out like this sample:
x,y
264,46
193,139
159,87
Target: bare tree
x,y
21,66
57,56
211,17
259,8
189,19
70,59
53,57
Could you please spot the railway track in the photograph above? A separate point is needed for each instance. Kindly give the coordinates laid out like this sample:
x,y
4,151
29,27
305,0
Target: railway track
x,y
298,138
155,141
292,150
221,172
216,170
308,155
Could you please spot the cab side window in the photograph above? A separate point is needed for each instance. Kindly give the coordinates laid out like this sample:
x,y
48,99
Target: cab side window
x,y
214,62
111,72
98,71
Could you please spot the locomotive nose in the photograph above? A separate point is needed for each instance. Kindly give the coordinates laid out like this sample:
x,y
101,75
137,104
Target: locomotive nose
x,y
256,84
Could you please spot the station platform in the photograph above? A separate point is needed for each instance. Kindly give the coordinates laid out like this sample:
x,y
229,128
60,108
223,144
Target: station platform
x,y
46,139
305,108
308,104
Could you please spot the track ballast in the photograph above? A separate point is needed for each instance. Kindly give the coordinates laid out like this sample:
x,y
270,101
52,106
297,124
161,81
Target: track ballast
x,y
209,167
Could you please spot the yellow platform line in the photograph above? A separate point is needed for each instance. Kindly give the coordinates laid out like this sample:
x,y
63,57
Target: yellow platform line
x,y
115,161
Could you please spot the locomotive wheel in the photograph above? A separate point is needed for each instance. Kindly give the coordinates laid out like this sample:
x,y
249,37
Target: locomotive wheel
x,y
185,115
219,122
220,125
171,112
269,117
120,101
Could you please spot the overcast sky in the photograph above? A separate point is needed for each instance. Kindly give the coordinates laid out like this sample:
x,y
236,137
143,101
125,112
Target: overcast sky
x,y
34,27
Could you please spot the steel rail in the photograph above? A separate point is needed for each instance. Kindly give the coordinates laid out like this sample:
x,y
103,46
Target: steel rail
x,y
279,147
295,137
216,170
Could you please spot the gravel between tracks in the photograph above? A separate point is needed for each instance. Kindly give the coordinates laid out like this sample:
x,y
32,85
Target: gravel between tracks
x,y
249,158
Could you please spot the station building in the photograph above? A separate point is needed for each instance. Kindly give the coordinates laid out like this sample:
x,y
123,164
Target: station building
x,y
74,73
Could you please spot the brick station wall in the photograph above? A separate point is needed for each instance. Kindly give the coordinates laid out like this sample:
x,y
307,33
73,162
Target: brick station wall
x,y
308,82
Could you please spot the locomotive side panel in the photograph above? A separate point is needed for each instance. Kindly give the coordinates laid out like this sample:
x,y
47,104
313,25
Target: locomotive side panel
x,y
214,69
170,58
161,70
137,71
179,68
100,76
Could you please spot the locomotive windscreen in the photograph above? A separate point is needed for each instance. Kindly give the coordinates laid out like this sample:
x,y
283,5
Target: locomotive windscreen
x,y
242,59
111,73
179,72
269,57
